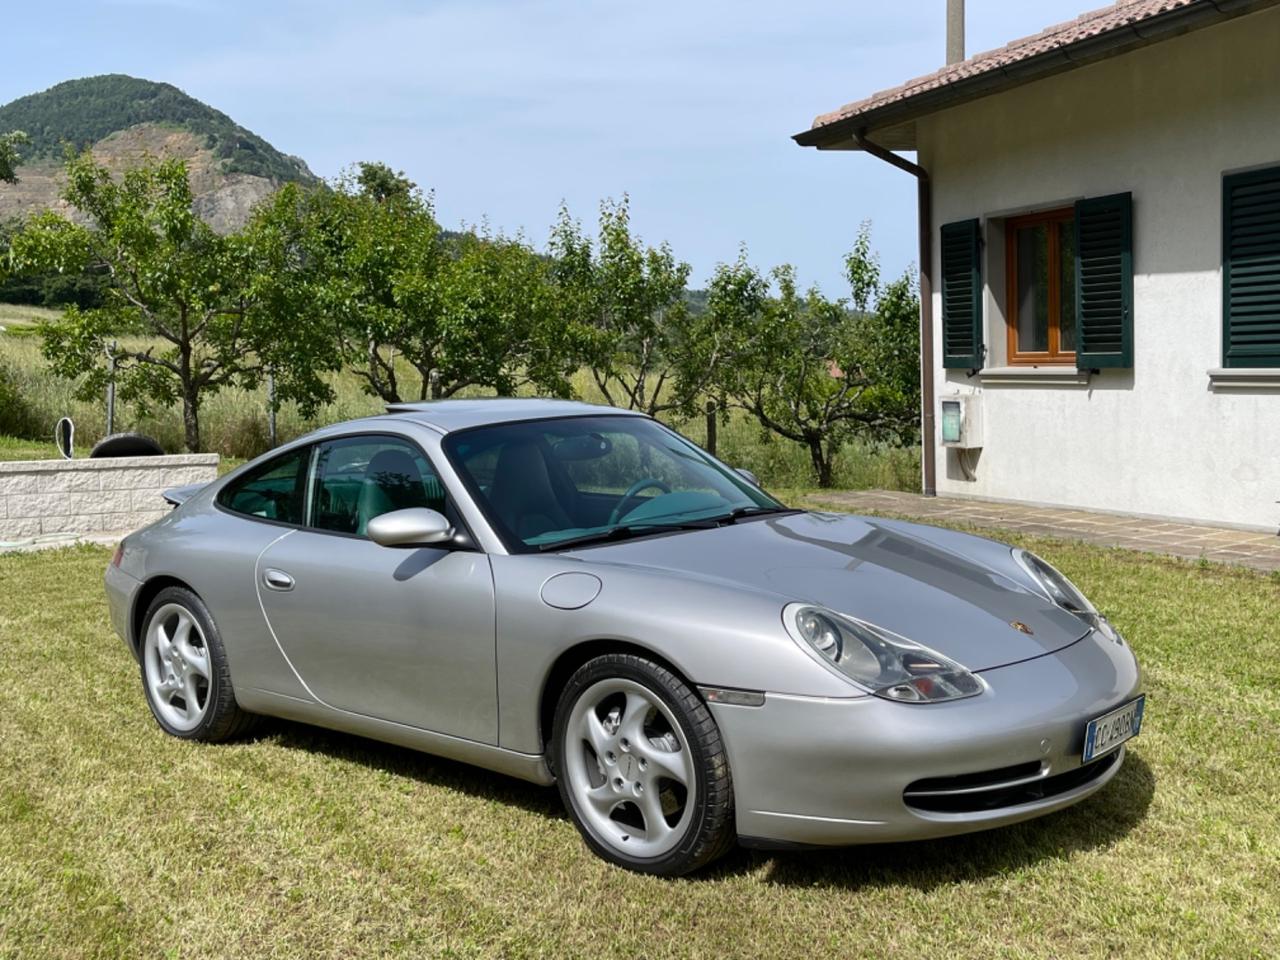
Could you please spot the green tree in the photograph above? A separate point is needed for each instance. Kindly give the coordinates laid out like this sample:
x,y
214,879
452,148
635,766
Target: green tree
x,y
9,144
500,315
191,299
647,350
374,271
820,371
379,182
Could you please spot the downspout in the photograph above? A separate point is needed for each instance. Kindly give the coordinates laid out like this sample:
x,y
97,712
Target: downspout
x,y
924,207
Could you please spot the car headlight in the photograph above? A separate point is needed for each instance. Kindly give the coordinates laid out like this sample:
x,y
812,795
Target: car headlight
x,y
1064,593
883,663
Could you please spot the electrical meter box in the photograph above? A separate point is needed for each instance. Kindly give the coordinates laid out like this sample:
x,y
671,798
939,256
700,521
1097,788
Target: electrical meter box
x,y
962,421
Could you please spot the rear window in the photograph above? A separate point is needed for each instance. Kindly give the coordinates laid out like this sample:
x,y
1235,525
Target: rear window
x,y
273,491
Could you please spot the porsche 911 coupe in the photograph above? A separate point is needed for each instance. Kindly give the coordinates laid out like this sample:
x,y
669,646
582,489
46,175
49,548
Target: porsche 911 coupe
x,y
578,595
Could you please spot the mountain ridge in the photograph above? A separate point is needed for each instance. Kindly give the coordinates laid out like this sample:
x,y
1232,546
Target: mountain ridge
x,y
124,121
84,111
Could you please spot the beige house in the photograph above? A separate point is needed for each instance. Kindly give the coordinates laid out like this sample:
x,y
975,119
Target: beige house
x,y
1100,241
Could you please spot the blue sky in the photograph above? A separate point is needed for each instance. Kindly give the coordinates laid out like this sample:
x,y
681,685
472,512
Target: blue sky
x,y
505,108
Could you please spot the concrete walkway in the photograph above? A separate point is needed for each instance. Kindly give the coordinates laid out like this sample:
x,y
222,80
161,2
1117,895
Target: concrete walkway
x,y
1247,548
52,541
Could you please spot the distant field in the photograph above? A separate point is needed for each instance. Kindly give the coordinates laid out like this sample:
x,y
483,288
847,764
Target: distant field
x,y
234,422
18,319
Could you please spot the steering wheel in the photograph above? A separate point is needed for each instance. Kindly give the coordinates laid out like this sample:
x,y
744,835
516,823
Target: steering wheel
x,y
630,495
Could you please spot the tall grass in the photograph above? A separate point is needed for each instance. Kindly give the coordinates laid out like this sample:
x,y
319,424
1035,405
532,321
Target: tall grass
x,y
233,422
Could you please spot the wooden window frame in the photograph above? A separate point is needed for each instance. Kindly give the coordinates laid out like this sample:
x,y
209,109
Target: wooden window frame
x,y
1055,356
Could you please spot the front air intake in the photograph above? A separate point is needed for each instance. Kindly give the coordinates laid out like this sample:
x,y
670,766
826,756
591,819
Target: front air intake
x,y
1004,787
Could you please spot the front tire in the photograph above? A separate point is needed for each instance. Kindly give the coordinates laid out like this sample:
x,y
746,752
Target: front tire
x,y
184,670
641,767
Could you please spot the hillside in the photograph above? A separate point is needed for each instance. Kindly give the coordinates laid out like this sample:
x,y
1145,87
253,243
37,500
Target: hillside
x,y
82,112
123,118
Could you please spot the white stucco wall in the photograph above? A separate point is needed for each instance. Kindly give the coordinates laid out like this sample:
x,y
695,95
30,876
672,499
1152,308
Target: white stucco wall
x,y
1165,123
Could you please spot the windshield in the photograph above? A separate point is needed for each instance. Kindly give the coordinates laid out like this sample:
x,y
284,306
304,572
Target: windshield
x,y
547,482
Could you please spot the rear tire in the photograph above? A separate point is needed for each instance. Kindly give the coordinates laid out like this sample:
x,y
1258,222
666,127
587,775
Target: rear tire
x,y
184,670
641,767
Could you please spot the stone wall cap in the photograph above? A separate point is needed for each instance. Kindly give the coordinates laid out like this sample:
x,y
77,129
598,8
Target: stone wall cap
x,y
109,463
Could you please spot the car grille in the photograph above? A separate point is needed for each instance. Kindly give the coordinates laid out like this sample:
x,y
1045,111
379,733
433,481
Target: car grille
x,y
1004,787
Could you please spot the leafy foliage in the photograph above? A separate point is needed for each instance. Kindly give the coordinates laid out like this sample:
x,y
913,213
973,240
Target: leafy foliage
x,y
46,289
648,351
373,270
379,182
16,416
82,112
820,371
168,277
9,144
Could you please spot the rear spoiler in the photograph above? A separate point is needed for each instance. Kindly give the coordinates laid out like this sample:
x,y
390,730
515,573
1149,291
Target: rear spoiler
x,y
180,495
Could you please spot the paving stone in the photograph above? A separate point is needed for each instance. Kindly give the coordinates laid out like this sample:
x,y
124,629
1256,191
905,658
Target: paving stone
x,y
1251,548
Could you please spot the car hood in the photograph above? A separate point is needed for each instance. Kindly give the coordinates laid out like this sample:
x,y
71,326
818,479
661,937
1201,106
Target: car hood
x,y
888,573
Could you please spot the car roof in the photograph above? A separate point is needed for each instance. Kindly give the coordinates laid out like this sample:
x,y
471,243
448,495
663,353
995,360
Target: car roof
x,y
448,416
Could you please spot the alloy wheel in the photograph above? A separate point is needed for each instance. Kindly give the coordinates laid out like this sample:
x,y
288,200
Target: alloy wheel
x,y
629,769
176,660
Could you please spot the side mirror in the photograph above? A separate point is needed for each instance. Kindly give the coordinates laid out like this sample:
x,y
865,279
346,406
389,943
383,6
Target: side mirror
x,y
750,477
415,527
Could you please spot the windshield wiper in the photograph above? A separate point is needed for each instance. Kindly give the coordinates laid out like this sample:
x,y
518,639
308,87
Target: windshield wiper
x,y
628,531
737,513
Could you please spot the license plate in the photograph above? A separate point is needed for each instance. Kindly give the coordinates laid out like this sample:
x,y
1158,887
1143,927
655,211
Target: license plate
x,y
1108,731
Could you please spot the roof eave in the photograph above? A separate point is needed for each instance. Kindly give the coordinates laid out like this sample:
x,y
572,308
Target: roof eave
x,y
902,114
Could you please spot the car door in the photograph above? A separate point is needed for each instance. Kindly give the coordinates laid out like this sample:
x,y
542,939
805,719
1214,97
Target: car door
x,y
405,635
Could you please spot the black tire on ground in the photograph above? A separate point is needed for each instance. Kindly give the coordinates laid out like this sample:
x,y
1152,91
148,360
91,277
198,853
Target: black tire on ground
x,y
711,831
223,718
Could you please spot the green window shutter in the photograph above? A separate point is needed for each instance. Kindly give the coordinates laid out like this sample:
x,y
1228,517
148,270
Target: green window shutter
x,y
1104,282
961,296
1251,269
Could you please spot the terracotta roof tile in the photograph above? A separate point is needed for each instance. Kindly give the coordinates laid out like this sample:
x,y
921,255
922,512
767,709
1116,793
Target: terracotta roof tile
x,y
1117,16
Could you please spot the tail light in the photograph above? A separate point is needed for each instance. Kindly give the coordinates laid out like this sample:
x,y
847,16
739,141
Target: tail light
x,y
118,555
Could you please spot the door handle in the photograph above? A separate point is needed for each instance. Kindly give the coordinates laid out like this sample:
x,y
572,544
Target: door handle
x,y
277,580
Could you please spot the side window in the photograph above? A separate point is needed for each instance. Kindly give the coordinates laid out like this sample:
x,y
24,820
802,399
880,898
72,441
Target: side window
x,y
358,478
273,491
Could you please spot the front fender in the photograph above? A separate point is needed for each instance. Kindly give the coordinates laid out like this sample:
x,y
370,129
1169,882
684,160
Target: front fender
x,y
713,633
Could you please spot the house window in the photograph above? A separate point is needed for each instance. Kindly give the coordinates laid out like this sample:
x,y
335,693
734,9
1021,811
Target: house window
x,y
1251,269
1041,252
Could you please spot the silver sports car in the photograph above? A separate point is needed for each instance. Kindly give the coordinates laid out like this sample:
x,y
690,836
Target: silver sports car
x,y
576,594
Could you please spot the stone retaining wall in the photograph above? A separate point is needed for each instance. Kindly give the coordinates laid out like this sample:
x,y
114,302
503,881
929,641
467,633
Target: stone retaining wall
x,y
41,497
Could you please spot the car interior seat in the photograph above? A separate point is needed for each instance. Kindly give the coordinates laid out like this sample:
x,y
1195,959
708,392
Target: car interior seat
x,y
392,481
522,494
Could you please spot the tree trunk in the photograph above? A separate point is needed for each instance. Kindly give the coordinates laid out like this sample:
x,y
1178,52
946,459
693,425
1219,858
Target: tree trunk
x,y
190,396
191,417
821,459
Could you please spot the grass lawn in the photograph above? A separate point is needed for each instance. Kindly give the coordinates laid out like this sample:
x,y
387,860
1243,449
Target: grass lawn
x,y
116,840
16,448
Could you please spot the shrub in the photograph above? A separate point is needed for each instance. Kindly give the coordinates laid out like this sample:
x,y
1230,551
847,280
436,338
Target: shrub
x,y
17,418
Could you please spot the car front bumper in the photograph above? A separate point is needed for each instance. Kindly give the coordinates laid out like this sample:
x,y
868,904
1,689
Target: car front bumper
x,y
816,771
